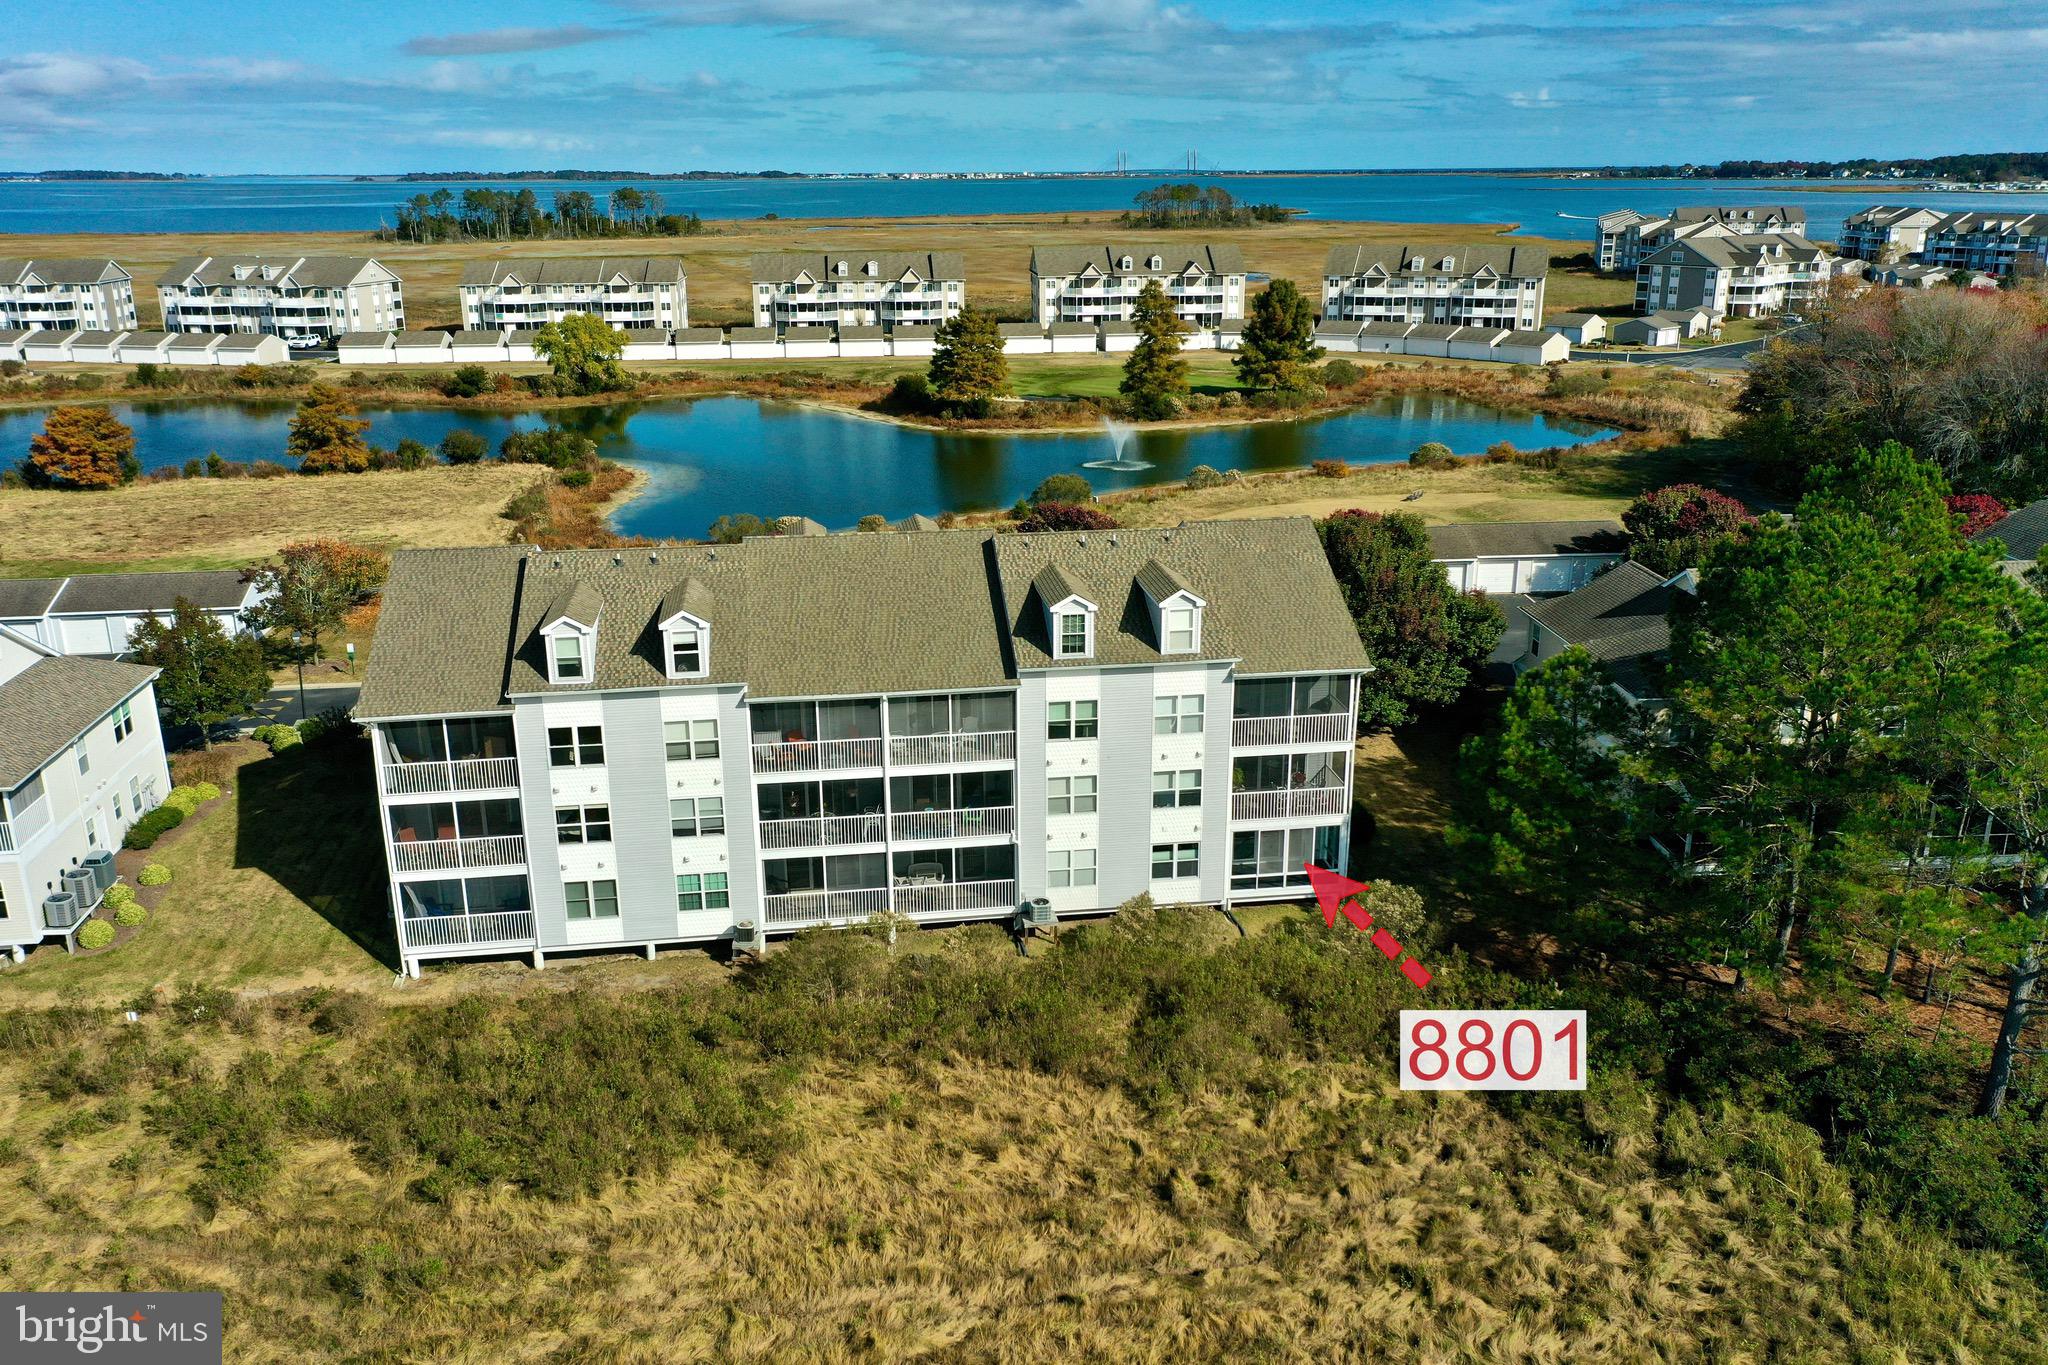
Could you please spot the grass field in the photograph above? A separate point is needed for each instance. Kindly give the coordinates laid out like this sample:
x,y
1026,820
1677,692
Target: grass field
x,y
997,248
226,523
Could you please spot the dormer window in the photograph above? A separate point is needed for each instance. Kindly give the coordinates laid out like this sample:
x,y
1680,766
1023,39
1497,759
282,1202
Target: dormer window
x,y
1181,632
1074,640
685,652
874,268
839,268
1123,263
568,659
1154,263
685,627
1175,608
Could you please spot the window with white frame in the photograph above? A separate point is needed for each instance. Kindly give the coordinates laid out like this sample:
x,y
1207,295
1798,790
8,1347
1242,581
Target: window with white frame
x,y
688,648
1177,715
1070,795
1072,640
1176,860
690,816
702,891
1182,787
567,656
124,721
1067,867
84,762
691,739
583,825
1070,720
575,746
135,795
591,900
3,902
1180,629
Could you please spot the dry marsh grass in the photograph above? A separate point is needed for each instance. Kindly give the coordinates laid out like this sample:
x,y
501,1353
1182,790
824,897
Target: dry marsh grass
x,y
223,523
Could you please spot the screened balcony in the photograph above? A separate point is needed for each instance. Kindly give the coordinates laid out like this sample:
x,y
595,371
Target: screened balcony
x,y
466,913
808,736
421,757
979,727
443,835
1279,786
1313,709
823,814
952,805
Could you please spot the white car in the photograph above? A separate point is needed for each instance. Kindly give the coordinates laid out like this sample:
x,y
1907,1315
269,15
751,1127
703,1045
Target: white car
x,y
305,342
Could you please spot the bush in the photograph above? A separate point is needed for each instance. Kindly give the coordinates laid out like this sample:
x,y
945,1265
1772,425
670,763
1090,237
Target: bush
x,y
1341,374
1066,516
462,446
411,454
206,791
1430,454
1501,450
1205,476
911,393
95,933
873,521
277,737
184,799
328,727
153,874
1230,398
1329,469
1068,488
120,895
131,914
1286,400
465,381
11,368
145,832
1568,384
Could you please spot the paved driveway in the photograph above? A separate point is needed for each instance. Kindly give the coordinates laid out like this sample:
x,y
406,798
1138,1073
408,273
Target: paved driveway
x,y
1732,356
283,702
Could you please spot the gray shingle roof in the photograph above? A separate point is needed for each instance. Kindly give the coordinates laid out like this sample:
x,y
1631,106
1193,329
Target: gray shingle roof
x,y
1209,258
2022,531
697,336
804,616
1465,260
1620,618
22,599
307,272
1387,329
1737,213
567,270
366,338
1272,603
60,269
113,593
782,267
1483,539
423,341
469,337
52,702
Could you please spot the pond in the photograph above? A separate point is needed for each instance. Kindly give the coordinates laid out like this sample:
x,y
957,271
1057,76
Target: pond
x,y
710,456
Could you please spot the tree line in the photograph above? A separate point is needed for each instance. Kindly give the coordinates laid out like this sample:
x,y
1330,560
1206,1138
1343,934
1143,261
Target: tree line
x,y
1191,206
1983,167
482,214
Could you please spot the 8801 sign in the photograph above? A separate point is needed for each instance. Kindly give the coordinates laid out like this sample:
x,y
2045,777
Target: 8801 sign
x,y
1493,1049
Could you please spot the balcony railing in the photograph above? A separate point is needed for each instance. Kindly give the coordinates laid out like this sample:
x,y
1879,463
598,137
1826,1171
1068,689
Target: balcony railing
x,y
811,755
824,831
984,747
6,838
954,824
949,898
1332,727
802,907
498,850
462,774
1278,805
463,931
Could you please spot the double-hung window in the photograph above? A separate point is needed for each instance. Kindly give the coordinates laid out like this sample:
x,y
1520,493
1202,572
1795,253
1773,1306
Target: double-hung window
x,y
1073,635
583,825
1066,867
568,658
691,738
1175,860
124,721
575,746
1180,788
1070,720
1177,715
702,891
1178,628
685,652
592,900
1070,795
689,817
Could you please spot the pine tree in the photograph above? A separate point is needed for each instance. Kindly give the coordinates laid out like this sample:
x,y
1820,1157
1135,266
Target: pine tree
x,y
1156,375
1279,340
326,435
208,677
968,364
80,447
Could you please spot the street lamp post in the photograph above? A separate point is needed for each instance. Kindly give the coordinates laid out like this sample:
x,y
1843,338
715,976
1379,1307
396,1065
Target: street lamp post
x,y
300,654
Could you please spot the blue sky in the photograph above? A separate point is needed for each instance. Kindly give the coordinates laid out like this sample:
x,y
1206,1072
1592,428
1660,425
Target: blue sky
x,y
355,86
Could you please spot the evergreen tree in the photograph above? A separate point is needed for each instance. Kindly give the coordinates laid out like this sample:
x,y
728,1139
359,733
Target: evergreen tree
x,y
326,435
1279,340
1156,374
208,677
968,364
1424,638
583,350
80,447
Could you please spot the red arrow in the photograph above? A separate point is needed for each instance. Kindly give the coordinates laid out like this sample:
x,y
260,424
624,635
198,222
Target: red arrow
x,y
1335,892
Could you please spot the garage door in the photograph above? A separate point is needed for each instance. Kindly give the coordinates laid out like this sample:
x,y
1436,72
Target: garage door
x,y
1496,575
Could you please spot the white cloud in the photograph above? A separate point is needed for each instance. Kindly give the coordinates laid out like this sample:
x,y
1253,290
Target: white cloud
x,y
66,75
498,40
509,139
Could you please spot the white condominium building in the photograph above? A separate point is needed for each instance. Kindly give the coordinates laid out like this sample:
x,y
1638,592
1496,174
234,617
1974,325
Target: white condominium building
x,y
1097,284
885,289
1622,239
675,744
1739,277
65,294
525,293
287,296
80,759
1887,233
1497,287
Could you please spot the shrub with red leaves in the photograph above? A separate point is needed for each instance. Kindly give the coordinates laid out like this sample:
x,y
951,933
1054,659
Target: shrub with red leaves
x,y
1680,526
1979,511
1067,516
